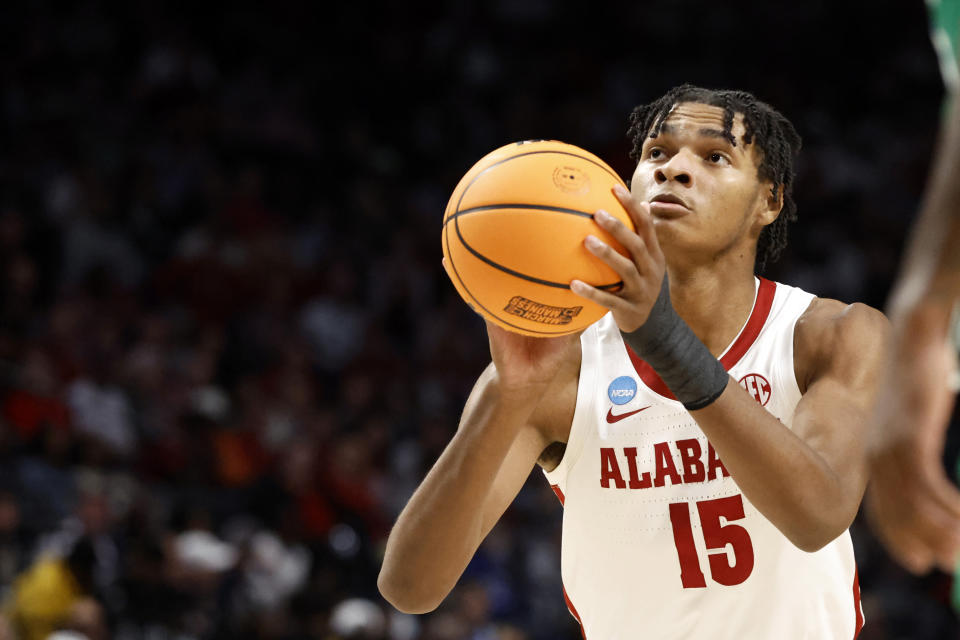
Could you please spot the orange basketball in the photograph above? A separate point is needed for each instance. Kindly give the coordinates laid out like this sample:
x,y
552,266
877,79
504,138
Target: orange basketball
x,y
513,236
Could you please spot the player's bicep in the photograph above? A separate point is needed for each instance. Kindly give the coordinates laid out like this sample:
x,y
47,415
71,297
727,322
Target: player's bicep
x,y
835,427
833,415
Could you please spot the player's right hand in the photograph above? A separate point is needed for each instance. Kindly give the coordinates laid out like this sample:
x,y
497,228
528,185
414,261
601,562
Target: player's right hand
x,y
525,365
912,505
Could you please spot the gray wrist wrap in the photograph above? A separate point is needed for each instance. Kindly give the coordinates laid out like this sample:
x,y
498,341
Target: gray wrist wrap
x,y
681,360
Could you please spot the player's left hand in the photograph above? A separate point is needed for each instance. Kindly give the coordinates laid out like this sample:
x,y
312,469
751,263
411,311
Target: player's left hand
x,y
642,273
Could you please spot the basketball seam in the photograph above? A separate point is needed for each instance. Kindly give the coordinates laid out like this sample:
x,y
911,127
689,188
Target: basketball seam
x,y
490,207
523,276
532,153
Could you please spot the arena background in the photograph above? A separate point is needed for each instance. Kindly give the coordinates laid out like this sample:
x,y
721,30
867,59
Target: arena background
x,y
228,351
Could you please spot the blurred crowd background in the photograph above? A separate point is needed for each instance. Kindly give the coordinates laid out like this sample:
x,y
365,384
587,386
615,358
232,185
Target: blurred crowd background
x,y
228,352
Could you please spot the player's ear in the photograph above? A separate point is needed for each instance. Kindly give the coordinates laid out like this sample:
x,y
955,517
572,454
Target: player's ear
x,y
770,204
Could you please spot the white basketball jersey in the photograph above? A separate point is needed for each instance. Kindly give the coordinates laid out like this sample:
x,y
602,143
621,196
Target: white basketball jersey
x,y
658,540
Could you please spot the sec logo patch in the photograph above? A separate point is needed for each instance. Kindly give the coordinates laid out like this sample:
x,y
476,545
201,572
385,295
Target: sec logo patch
x,y
758,386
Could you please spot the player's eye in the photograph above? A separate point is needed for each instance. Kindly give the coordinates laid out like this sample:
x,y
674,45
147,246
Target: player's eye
x,y
717,158
655,154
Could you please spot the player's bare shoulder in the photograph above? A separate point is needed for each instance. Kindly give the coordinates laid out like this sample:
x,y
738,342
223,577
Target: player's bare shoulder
x,y
848,341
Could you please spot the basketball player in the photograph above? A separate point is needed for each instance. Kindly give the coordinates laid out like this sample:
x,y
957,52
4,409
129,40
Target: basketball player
x,y
913,506
705,437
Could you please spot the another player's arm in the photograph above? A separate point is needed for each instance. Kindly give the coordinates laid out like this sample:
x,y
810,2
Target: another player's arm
x,y
516,410
808,481
930,273
913,506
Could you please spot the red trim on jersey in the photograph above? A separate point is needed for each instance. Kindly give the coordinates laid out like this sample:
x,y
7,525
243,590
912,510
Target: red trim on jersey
x,y
857,607
556,490
761,309
573,612
572,609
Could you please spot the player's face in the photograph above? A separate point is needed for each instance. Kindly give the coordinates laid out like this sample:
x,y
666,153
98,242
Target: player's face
x,y
704,193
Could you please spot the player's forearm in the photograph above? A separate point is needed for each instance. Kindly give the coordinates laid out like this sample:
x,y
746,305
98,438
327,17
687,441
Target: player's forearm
x,y
924,324
916,399
781,475
440,528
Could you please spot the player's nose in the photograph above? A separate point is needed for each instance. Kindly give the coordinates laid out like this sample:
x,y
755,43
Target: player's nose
x,y
676,169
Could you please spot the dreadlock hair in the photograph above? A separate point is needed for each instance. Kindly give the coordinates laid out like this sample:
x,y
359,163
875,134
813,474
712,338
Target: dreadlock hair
x,y
777,142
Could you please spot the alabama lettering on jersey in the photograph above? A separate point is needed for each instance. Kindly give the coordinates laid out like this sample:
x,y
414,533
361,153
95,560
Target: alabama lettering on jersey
x,y
658,540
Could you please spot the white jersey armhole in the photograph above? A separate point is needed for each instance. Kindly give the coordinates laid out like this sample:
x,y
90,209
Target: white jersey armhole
x,y
784,368
584,413
788,374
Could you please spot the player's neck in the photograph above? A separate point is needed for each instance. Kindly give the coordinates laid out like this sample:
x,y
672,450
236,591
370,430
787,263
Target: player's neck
x,y
715,301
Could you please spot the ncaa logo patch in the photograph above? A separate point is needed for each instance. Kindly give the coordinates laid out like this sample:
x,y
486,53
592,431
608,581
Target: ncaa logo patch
x,y
622,390
758,387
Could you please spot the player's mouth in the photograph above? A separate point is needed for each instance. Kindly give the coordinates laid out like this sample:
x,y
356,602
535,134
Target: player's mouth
x,y
668,205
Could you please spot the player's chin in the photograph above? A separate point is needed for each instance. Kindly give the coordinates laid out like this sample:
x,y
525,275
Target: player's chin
x,y
683,246
667,222
673,236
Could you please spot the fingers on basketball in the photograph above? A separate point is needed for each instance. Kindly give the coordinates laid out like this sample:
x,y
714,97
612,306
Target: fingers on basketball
x,y
639,213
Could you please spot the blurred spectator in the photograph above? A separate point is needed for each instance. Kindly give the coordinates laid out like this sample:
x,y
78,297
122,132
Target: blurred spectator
x,y
358,619
34,402
55,592
102,412
86,619
15,542
334,322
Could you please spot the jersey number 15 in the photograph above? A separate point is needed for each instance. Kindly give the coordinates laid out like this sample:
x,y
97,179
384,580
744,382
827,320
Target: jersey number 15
x,y
724,569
